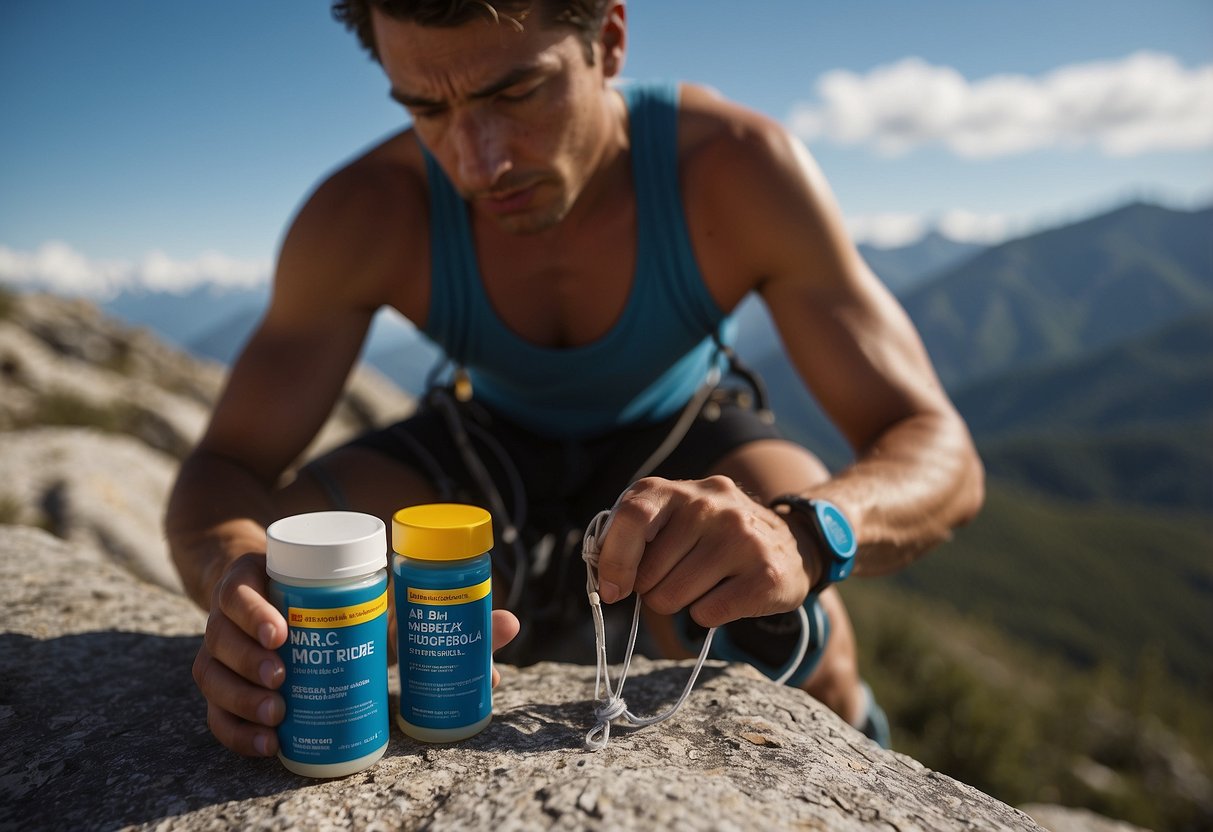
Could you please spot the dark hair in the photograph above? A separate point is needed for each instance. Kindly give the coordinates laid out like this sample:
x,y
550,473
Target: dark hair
x,y
585,16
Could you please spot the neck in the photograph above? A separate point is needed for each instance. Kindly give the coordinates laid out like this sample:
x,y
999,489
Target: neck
x,y
610,171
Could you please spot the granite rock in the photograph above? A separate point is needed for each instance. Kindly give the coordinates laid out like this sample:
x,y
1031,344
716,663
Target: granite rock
x,y
92,487
101,727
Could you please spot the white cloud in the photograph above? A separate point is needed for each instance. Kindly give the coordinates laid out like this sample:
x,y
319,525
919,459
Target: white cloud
x,y
893,230
1143,103
968,227
57,267
888,230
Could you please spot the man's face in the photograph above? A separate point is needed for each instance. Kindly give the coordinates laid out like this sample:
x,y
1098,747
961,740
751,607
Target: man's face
x,y
515,118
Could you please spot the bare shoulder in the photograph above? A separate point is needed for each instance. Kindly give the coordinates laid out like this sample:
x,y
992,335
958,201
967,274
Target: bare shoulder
x,y
744,175
360,239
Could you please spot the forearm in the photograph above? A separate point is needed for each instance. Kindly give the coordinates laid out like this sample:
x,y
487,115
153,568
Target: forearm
x,y
217,512
908,490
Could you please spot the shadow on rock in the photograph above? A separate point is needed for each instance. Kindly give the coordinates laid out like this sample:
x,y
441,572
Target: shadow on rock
x,y
552,726
105,729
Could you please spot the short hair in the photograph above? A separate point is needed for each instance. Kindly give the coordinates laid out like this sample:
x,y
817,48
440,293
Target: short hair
x,y
585,16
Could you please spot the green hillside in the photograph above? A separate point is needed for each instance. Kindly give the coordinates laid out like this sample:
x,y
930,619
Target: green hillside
x,y
1162,378
1065,291
1055,652
1164,467
1095,583
966,699
1131,423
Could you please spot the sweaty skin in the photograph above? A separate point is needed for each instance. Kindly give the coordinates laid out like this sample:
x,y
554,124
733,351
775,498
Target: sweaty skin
x,y
535,138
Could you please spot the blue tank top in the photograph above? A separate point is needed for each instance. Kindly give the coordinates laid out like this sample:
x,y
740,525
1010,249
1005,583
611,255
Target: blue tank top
x,y
647,366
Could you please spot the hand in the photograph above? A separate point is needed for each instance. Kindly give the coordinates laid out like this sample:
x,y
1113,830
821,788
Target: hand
x,y
702,544
238,669
505,627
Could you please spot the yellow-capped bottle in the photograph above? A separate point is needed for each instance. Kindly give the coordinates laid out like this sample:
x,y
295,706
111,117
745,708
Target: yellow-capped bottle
x,y
443,584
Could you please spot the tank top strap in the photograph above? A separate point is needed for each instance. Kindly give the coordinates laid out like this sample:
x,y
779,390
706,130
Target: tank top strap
x,y
666,261
454,281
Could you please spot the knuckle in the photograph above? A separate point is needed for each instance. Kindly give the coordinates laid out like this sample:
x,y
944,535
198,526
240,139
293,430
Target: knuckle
x,y
210,637
772,576
661,602
225,591
204,672
639,507
712,612
701,508
198,670
737,521
213,722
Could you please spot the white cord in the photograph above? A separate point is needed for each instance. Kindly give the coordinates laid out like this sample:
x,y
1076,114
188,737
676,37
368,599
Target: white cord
x,y
613,705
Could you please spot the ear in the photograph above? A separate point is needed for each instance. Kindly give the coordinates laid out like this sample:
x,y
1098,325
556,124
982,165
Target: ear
x,y
614,39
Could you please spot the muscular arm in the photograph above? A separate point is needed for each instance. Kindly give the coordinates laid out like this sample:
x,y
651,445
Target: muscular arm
x,y
916,474
328,284
762,219
279,393
340,261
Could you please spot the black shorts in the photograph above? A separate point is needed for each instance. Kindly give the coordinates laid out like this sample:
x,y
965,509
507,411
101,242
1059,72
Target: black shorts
x,y
551,489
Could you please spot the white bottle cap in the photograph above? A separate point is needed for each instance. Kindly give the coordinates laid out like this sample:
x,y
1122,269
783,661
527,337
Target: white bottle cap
x,y
326,545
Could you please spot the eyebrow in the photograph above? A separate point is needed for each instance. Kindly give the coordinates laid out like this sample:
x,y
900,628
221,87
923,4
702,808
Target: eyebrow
x,y
514,76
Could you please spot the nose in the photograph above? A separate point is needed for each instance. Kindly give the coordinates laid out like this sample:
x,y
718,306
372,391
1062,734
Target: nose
x,y
481,150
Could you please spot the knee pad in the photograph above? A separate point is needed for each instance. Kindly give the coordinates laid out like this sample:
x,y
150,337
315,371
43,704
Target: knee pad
x,y
767,643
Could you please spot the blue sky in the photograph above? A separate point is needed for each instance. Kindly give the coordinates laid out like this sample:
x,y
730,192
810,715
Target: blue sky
x,y
176,139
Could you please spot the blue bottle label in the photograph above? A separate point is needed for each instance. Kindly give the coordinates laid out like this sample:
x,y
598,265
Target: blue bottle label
x,y
445,652
336,672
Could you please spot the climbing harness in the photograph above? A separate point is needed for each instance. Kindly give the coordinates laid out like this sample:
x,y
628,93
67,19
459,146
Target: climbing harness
x,y
448,398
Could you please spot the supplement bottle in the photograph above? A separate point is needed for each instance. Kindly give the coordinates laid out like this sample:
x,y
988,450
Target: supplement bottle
x,y
328,578
443,585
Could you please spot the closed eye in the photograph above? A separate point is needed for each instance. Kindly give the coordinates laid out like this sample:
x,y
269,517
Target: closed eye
x,y
521,92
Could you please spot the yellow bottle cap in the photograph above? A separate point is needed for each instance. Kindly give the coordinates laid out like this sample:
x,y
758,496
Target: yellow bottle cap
x,y
442,531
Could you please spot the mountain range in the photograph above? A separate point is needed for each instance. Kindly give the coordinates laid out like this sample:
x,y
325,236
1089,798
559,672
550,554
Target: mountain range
x,y
1058,293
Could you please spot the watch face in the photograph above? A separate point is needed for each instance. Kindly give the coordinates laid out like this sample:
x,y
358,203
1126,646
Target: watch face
x,y
836,528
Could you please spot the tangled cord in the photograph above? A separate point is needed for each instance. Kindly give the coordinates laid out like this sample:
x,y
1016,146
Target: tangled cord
x,y
613,705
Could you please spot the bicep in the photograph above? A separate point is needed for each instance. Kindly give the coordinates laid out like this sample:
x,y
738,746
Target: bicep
x,y
850,340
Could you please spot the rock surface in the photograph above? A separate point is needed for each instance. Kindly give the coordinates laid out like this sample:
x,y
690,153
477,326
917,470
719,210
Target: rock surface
x,y
95,415
102,728
92,487
63,362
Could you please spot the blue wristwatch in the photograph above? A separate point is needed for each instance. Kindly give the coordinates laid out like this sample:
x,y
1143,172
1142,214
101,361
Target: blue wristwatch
x,y
831,531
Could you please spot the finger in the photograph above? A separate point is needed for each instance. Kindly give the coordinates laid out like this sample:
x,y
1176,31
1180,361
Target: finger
x,y
505,626
392,654
233,648
750,594
242,737
639,515
240,595
692,577
683,533
229,692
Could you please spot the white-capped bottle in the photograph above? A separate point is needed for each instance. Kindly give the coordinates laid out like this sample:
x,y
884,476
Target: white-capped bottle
x,y
328,578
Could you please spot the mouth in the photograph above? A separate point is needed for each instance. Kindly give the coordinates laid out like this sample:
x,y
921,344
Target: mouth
x,y
510,200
